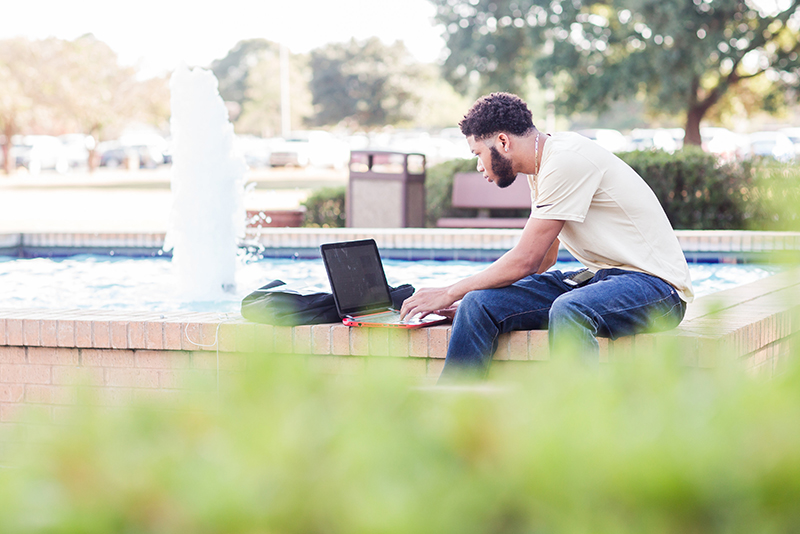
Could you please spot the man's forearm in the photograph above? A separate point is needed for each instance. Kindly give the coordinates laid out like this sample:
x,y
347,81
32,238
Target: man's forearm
x,y
509,268
529,255
550,258
505,271
535,252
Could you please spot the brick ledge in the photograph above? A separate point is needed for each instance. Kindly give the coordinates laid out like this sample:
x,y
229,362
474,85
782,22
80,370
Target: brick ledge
x,y
745,320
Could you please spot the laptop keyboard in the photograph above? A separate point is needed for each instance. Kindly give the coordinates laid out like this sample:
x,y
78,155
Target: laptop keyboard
x,y
393,317
384,317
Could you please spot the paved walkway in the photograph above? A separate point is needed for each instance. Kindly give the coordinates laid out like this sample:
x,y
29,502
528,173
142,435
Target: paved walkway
x,y
138,201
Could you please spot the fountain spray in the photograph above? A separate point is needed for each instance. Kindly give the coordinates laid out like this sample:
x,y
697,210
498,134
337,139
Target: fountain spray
x,y
207,217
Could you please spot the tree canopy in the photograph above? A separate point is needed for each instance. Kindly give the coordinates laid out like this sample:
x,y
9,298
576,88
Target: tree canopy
x,y
250,76
97,94
368,84
364,83
678,56
56,86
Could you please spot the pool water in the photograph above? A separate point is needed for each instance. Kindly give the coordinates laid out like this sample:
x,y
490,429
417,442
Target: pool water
x,y
117,283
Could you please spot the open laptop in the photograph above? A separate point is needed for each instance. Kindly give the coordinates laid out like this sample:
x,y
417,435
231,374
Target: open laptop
x,y
359,287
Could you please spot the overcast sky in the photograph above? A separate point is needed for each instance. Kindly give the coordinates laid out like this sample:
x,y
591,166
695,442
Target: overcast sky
x,y
156,35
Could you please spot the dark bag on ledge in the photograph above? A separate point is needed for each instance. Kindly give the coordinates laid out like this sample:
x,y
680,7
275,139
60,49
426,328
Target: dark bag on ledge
x,y
283,306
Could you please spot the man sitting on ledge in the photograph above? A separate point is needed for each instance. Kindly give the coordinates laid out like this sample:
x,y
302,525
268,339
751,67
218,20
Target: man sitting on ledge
x,y
607,218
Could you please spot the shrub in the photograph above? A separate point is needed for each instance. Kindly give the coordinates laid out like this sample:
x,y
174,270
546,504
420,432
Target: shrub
x,y
646,446
774,195
699,193
439,190
325,208
695,190
439,193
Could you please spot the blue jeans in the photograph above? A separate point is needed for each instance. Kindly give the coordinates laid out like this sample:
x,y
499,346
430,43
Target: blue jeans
x,y
614,303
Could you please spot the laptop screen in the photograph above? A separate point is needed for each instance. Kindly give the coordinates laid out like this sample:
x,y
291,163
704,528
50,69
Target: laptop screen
x,y
356,275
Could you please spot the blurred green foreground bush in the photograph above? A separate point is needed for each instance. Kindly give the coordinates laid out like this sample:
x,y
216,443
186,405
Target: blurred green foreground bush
x,y
696,191
643,448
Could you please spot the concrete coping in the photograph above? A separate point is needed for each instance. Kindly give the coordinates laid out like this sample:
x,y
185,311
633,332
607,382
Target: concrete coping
x,y
745,320
427,239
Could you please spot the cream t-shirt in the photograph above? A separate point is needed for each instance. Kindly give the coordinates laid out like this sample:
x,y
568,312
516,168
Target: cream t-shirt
x,y
612,217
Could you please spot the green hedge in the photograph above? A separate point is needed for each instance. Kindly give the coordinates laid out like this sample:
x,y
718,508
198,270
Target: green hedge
x,y
325,208
647,446
776,195
439,193
696,191
439,190
699,193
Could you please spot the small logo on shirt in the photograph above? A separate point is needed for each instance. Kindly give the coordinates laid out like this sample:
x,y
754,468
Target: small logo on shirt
x,y
542,205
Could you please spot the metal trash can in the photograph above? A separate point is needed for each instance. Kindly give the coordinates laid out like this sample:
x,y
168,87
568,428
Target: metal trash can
x,y
386,190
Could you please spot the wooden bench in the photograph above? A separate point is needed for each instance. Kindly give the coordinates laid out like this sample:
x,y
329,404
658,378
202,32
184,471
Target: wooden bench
x,y
292,218
472,191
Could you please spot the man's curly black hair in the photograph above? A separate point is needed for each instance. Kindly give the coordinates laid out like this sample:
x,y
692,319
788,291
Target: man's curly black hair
x,y
495,113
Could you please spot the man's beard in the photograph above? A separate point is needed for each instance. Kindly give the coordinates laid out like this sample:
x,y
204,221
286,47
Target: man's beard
x,y
501,168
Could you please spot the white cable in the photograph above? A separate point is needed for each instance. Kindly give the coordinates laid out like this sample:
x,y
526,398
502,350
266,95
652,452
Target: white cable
x,y
225,319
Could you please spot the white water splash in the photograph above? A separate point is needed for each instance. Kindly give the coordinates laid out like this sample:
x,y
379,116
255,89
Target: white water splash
x,y
208,216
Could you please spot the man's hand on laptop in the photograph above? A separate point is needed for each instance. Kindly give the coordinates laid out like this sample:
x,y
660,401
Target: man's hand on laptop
x,y
427,301
448,312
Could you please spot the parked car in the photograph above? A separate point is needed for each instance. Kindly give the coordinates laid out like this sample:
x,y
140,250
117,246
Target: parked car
x,y
653,139
725,144
41,152
310,147
151,147
255,150
794,136
77,147
772,144
436,148
290,152
114,154
167,151
611,140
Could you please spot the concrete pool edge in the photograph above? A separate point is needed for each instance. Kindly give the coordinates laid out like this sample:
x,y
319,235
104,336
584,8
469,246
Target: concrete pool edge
x,y
121,356
403,243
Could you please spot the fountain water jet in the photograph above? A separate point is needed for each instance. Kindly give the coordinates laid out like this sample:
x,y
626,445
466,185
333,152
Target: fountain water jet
x,y
208,216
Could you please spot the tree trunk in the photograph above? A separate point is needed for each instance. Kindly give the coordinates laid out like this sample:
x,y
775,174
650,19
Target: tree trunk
x,y
94,158
692,128
8,165
697,110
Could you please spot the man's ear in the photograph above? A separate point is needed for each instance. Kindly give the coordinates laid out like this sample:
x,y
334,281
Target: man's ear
x,y
504,141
